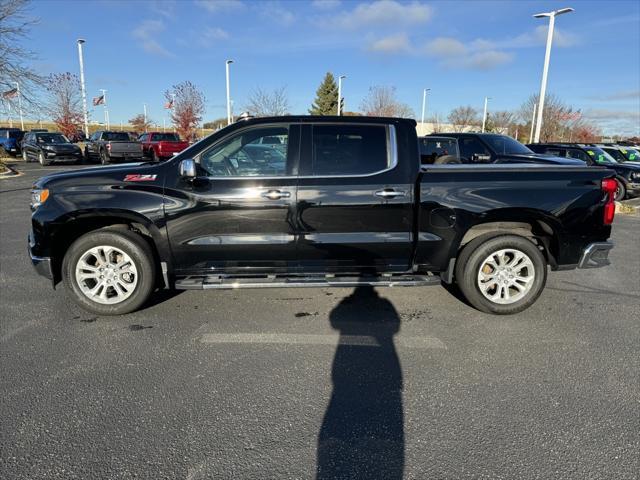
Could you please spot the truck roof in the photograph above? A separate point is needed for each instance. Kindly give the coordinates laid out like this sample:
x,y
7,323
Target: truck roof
x,y
325,119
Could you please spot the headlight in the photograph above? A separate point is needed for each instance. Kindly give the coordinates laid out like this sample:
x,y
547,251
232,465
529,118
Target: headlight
x,y
39,196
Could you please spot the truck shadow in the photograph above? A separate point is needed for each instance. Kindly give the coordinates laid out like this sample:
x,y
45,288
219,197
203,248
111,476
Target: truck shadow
x,y
362,433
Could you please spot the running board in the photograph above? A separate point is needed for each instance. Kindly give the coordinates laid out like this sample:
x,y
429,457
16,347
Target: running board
x,y
230,282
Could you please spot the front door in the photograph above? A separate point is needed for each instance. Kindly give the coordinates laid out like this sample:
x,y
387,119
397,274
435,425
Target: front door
x,y
355,202
237,216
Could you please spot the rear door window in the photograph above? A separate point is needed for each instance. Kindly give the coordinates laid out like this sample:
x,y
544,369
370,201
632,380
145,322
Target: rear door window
x,y
349,150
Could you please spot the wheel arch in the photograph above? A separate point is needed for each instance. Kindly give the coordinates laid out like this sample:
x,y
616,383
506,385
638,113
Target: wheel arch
x,y
72,228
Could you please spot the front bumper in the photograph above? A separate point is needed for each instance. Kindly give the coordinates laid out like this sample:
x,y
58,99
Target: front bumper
x,y
42,265
596,255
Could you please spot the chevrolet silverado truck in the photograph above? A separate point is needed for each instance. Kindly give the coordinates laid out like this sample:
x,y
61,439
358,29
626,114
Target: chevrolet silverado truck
x,y
343,202
109,146
160,146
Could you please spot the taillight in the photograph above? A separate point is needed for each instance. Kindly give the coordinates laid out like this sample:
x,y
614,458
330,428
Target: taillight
x,y
609,186
109,146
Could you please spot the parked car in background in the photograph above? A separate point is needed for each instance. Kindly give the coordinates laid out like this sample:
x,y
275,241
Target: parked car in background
x,y
38,130
622,153
161,145
438,150
494,148
108,146
49,147
346,204
11,140
627,175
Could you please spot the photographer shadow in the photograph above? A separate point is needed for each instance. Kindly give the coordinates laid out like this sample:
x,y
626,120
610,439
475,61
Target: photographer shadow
x,y
362,434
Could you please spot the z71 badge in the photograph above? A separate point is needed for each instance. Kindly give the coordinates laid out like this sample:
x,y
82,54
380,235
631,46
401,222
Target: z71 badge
x,y
139,178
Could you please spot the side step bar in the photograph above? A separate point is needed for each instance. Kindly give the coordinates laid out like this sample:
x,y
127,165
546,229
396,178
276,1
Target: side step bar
x,y
230,282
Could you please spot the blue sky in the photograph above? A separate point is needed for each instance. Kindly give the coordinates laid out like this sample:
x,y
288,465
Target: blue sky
x,y
462,50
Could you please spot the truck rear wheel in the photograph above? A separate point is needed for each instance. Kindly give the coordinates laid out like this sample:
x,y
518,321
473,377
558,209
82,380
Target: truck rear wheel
x,y
109,271
502,274
104,157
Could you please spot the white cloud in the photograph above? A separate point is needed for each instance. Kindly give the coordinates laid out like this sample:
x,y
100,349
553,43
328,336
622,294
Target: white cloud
x,y
147,32
325,4
380,12
620,95
392,44
211,35
477,55
215,6
276,11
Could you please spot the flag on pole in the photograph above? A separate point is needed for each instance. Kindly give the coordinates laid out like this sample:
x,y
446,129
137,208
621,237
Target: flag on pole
x,y
98,100
169,104
10,93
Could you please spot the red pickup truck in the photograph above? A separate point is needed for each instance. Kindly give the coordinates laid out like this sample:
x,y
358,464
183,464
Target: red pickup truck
x,y
160,145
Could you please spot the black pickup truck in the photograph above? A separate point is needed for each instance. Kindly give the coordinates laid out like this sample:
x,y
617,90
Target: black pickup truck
x,y
340,202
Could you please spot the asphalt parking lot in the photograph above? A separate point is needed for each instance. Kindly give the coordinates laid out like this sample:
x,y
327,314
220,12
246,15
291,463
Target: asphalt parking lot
x,y
318,383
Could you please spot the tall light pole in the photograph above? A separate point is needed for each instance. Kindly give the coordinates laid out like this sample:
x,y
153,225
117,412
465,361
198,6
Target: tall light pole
x,y
424,105
106,112
229,119
340,93
545,69
484,115
83,89
20,105
144,106
533,121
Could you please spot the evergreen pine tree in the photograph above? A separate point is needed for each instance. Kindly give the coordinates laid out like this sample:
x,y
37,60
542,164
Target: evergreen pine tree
x,y
326,102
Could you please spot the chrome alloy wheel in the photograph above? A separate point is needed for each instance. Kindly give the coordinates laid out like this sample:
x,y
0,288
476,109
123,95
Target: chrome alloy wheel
x,y
106,274
506,276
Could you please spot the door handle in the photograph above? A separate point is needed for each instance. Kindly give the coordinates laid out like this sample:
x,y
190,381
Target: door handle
x,y
389,193
275,194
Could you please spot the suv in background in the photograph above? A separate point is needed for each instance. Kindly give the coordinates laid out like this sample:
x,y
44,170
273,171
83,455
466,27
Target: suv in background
x,y
627,175
10,140
494,148
47,148
438,150
622,153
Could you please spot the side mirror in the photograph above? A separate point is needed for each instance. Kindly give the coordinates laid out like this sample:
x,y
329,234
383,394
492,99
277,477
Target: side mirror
x,y
188,168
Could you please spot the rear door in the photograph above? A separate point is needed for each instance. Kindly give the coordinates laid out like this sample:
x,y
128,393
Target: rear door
x,y
355,201
238,215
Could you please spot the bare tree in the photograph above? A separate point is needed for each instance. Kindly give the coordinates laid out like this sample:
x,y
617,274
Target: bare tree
x,y
381,101
64,103
187,107
140,123
14,58
463,118
502,121
559,120
268,104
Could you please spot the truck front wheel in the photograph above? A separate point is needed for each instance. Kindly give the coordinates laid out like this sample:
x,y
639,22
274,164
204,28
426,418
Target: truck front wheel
x,y
502,274
109,271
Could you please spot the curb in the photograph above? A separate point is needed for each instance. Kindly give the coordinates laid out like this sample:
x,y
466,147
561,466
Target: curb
x,y
12,173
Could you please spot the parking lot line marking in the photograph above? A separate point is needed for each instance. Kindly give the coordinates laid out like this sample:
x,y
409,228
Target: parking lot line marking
x,y
422,343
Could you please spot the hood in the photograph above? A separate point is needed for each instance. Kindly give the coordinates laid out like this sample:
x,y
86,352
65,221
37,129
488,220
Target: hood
x,y
624,167
96,175
539,158
61,147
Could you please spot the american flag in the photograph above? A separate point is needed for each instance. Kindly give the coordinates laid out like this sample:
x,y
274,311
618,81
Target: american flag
x,y
570,115
169,104
10,93
98,100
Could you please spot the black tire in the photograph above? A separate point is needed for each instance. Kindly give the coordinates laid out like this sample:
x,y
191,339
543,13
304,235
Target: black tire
x,y
621,191
471,261
131,244
43,160
87,156
25,156
104,157
154,157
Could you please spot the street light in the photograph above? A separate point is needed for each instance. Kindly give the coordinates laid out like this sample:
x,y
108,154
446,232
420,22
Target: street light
x,y
144,107
484,115
20,105
424,105
533,122
545,69
340,93
106,111
82,88
229,119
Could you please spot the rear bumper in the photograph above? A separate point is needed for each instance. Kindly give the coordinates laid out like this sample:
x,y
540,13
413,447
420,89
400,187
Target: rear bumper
x,y
596,255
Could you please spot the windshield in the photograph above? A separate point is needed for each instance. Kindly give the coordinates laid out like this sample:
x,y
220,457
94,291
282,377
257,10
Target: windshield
x,y
600,156
505,145
52,138
630,154
166,137
116,136
15,134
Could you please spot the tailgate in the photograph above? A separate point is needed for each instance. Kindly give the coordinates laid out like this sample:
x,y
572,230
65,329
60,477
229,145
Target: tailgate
x,y
172,147
125,147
